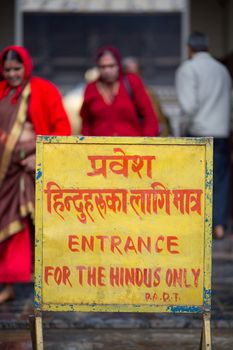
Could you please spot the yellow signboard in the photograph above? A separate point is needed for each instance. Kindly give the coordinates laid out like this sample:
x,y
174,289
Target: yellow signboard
x,y
123,224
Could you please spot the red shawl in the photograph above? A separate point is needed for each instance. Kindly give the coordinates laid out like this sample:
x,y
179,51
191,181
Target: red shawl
x,y
41,104
45,107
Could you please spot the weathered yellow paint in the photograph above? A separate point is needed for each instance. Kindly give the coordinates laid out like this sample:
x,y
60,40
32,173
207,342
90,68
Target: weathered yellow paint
x,y
181,163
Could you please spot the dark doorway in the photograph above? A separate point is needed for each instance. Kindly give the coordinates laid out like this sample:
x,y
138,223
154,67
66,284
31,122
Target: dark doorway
x,y
63,45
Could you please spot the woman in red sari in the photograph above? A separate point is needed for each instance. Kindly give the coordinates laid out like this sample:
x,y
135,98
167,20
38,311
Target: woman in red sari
x,y
28,106
117,105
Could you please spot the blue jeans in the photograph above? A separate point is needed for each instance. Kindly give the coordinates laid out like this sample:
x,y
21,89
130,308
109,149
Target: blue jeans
x,y
221,182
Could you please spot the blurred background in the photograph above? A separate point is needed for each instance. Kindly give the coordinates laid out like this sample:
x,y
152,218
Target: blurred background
x,y
64,35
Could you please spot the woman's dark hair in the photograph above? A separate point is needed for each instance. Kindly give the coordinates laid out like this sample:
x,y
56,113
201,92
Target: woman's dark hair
x,y
12,55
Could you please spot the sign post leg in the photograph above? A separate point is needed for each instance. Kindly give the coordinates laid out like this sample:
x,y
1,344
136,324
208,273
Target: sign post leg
x,y
39,331
205,343
35,322
32,330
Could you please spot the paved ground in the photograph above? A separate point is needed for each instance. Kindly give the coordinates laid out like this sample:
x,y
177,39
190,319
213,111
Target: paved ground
x,y
105,339
115,331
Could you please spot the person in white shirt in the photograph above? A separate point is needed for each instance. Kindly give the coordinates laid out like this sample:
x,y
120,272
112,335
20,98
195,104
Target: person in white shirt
x,y
203,87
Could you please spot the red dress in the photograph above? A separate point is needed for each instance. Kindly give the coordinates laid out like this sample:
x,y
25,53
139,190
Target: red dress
x,y
44,109
120,118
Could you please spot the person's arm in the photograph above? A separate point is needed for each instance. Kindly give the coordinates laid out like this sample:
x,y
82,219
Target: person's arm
x,y
84,113
186,89
150,124
59,123
45,109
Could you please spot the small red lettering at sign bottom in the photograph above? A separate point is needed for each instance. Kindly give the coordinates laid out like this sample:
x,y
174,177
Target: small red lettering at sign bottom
x,y
164,296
